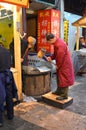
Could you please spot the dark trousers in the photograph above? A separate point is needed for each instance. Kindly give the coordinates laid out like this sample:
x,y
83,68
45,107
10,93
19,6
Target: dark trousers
x,y
1,118
10,91
9,105
9,102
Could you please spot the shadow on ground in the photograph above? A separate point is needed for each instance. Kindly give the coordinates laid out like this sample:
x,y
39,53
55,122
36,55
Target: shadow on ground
x,y
19,124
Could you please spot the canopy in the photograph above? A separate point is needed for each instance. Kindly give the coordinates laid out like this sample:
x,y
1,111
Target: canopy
x,y
80,22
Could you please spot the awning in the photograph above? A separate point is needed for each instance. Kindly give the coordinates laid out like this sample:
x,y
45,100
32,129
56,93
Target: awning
x,y
80,22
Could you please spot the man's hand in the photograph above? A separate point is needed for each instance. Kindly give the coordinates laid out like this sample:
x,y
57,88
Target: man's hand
x,y
30,46
48,59
22,60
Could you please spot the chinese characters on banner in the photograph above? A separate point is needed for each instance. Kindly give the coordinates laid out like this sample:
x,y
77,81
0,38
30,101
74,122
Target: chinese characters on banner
x,y
66,30
48,21
22,3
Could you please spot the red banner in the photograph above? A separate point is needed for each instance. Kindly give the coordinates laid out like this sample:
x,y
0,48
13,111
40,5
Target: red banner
x,y
22,3
48,21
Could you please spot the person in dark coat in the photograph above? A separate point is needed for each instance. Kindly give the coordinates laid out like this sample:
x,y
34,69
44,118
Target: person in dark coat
x,y
26,45
8,88
65,71
82,43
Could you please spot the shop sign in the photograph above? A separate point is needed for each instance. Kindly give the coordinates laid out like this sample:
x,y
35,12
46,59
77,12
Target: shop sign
x,y
48,21
50,2
17,2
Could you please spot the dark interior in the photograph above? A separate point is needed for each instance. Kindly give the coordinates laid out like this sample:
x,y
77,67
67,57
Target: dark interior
x,y
72,6
75,6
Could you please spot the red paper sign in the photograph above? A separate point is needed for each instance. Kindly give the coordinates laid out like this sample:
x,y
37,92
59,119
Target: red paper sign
x,y
48,21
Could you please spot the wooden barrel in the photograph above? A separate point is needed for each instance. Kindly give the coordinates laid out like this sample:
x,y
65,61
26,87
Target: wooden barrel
x,y
37,84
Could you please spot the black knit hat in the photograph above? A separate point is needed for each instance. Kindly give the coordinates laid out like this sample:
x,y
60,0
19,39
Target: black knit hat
x,y
49,36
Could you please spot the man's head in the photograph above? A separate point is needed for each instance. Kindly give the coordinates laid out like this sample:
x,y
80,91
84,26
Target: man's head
x,y
50,38
81,39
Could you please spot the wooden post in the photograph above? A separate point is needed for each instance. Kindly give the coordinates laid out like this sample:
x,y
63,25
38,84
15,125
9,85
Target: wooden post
x,y
17,49
77,38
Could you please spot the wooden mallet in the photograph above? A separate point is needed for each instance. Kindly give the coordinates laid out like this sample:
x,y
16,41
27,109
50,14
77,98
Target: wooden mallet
x,y
41,54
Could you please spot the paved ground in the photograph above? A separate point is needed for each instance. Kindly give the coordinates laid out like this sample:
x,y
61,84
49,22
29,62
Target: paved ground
x,y
41,116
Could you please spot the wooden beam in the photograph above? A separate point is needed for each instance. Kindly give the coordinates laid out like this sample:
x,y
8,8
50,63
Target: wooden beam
x,y
77,38
17,49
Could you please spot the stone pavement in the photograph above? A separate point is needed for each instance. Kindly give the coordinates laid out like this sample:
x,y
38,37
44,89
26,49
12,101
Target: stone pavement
x,y
41,116
19,124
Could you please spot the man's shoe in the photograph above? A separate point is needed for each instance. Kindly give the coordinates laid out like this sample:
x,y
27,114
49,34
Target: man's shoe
x,y
61,98
1,124
56,93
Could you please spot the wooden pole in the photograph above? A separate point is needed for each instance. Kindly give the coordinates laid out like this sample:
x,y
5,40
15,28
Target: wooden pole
x,y
77,38
17,49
